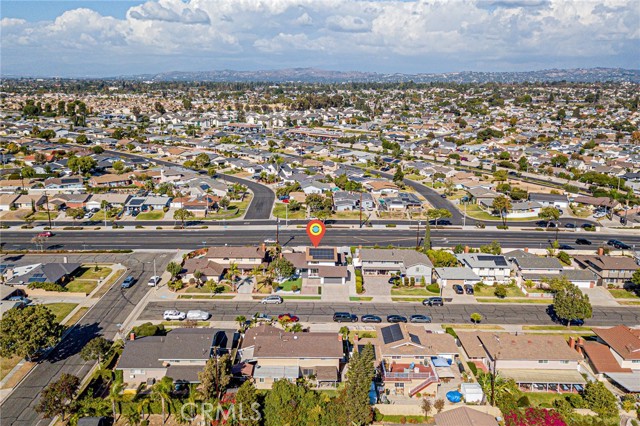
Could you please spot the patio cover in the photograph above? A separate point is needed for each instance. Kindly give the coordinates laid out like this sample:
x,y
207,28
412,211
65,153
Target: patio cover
x,y
629,381
569,377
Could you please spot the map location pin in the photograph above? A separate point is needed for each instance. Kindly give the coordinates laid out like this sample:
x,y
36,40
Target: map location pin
x,y
315,231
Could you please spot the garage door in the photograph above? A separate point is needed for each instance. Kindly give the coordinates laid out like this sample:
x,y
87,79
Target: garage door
x,y
333,280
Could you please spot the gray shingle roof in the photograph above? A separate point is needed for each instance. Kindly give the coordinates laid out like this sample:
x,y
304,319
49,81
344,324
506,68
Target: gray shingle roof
x,y
408,257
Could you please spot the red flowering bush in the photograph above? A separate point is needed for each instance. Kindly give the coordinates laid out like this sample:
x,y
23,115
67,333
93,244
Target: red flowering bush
x,y
534,417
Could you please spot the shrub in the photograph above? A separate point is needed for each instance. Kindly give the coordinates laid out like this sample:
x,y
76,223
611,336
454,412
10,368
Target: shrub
x,y
564,257
433,288
500,291
294,288
472,367
359,284
149,329
502,227
139,226
575,400
403,420
476,317
405,281
524,402
412,281
47,286
451,331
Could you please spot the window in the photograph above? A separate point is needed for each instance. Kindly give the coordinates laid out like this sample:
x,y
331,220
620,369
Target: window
x,y
635,361
307,371
261,380
396,357
137,371
543,361
399,385
564,361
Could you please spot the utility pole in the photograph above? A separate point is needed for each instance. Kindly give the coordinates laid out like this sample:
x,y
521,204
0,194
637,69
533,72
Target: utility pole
x,y
277,231
46,197
286,215
418,236
464,218
360,208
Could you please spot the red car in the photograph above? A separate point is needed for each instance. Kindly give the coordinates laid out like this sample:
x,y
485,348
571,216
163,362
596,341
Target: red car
x,y
288,318
45,234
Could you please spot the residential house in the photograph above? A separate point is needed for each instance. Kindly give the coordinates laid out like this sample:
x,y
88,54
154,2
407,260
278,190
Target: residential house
x,y
610,270
7,202
199,205
490,268
451,276
346,201
464,416
409,359
29,201
245,258
110,181
549,200
482,196
382,187
394,261
181,355
58,273
69,183
540,270
324,264
279,355
519,356
112,199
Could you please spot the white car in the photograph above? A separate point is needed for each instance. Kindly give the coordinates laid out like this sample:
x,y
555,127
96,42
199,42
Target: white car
x,y
197,314
153,281
270,241
174,315
272,299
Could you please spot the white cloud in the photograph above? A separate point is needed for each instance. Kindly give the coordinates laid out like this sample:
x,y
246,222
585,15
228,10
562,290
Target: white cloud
x,y
394,35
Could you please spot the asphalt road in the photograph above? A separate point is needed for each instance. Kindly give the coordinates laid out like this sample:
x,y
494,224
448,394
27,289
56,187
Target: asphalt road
x,y
103,319
263,196
194,238
449,313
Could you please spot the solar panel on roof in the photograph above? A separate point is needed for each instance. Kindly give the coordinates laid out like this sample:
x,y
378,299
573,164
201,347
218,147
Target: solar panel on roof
x,y
391,333
415,339
321,254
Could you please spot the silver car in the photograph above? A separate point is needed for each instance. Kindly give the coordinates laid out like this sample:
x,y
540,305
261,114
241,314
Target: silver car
x,y
172,315
272,299
198,315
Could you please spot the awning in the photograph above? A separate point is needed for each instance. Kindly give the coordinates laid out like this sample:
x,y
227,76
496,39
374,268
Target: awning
x,y
276,372
629,381
569,377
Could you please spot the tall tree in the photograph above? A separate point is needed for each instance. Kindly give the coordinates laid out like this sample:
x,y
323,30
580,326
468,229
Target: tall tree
x,y
115,396
162,391
359,376
57,397
569,303
96,348
600,399
246,405
174,269
24,331
550,214
182,215
216,376
502,205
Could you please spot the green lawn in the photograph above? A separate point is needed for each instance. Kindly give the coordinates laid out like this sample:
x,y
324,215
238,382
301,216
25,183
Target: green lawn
x,y
81,286
349,215
620,293
88,272
302,297
222,288
411,291
205,296
537,398
279,210
151,215
286,286
360,299
512,300
554,328
487,291
42,216
99,216
407,299
389,418
7,364
61,310
474,211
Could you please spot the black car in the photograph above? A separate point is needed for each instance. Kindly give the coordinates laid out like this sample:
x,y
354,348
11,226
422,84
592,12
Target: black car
x,y
570,225
618,244
396,318
565,247
468,288
458,289
424,319
394,279
444,222
371,318
433,301
345,317
583,242
443,195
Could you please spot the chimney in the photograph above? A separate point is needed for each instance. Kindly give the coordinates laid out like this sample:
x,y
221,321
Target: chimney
x,y
572,342
280,255
356,338
600,251
526,249
132,336
263,246
339,337
466,249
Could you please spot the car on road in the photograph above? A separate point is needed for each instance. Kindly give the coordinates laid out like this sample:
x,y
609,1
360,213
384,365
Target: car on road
x,y
618,244
197,314
128,282
273,299
270,241
565,247
443,195
433,301
344,317
288,318
262,317
45,234
569,225
396,318
173,315
371,318
458,289
422,319
88,215
468,288
153,281
583,242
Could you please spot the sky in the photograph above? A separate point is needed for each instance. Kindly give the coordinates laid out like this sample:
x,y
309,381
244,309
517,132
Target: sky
x,y
104,38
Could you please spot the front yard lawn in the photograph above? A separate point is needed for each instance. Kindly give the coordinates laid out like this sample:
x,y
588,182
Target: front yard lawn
x,y
88,272
151,215
286,286
411,291
621,293
488,291
280,210
42,216
81,286
61,310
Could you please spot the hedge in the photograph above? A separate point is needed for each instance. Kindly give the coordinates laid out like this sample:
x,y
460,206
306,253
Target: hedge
x,y
359,283
47,286
472,367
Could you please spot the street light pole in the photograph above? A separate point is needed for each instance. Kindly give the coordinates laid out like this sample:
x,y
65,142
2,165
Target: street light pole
x,y
418,236
277,231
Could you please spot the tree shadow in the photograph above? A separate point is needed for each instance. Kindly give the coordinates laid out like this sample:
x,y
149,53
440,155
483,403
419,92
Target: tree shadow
x,y
74,341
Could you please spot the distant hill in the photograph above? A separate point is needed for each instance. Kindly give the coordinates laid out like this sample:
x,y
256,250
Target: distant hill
x,y
314,75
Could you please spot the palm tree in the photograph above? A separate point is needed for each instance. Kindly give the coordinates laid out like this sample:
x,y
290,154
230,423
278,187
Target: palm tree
x,y
133,416
240,319
182,215
232,273
501,385
502,205
162,391
114,395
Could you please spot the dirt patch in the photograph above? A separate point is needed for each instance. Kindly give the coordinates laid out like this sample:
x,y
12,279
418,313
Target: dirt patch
x,y
18,375
14,215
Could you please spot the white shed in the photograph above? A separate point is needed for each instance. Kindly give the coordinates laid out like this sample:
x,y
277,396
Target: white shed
x,y
472,392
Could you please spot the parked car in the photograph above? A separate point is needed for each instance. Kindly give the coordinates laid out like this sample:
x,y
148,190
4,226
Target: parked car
x,y
45,234
371,318
583,242
618,244
443,195
128,282
288,317
458,289
344,317
197,314
275,299
173,315
433,301
153,281
565,247
424,319
468,288
262,317
569,225
95,210
22,299
396,318
394,279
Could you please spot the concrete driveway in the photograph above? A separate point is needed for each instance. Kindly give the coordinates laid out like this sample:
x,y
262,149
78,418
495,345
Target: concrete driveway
x,y
599,296
377,285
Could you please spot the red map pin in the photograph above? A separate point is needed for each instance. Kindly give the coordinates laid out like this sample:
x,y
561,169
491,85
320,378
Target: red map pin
x,y
315,231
